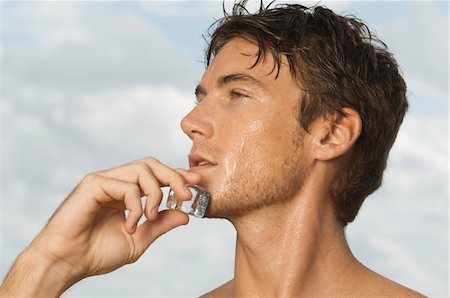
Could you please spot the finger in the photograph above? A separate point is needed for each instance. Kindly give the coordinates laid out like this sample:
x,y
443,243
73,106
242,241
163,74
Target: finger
x,y
190,177
152,203
111,190
132,173
141,174
149,231
151,188
169,177
165,176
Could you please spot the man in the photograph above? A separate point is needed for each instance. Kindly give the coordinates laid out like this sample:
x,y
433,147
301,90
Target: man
x,y
297,111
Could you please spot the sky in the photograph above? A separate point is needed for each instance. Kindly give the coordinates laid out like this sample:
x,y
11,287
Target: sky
x,y
91,85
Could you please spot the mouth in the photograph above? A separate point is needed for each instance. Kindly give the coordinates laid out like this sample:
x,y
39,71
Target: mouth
x,y
199,162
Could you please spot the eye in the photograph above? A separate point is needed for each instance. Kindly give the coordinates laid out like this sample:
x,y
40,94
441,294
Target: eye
x,y
196,100
238,95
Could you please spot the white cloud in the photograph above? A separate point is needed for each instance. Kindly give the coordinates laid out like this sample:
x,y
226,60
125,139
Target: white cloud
x,y
179,9
419,39
125,124
109,48
397,256
423,140
58,22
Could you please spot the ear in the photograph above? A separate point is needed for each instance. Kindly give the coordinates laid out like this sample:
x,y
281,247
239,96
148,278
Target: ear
x,y
336,134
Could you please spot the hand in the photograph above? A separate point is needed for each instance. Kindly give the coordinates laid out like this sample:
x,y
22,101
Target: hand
x,y
90,234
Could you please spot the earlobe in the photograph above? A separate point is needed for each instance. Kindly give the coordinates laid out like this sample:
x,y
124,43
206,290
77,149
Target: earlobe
x,y
337,134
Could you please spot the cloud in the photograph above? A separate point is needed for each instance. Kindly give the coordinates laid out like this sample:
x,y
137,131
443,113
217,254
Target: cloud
x,y
419,39
124,124
95,48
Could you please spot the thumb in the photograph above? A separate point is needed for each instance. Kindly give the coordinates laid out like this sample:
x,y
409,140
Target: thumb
x,y
149,231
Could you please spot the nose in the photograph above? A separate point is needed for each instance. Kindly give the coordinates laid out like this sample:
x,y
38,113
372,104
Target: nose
x,y
198,124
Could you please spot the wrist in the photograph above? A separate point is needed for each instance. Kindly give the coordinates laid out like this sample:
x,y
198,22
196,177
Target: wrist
x,y
36,274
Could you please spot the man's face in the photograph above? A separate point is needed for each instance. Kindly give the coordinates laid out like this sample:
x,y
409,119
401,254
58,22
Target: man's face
x,y
247,142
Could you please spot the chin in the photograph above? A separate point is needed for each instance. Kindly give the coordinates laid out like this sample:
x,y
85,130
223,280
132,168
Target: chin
x,y
212,211
216,209
225,209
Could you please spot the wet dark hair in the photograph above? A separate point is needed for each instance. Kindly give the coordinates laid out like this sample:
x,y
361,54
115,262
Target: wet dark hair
x,y
339,64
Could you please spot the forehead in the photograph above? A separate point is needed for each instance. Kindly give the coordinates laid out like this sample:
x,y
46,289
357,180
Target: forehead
x,y
239,56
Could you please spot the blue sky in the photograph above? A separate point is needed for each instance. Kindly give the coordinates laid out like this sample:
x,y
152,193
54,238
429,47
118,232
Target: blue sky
x,y
90,85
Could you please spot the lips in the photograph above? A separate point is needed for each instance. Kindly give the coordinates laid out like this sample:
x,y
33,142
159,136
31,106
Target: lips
x,y
198,161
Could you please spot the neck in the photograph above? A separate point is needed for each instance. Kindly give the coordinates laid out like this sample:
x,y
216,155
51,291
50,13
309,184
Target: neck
x,y
298,248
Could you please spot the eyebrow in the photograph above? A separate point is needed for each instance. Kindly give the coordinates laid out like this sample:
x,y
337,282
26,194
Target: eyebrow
x,y
227,79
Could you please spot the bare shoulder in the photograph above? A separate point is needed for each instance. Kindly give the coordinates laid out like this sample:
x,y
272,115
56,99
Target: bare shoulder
x,y
387,287
222,291
376,285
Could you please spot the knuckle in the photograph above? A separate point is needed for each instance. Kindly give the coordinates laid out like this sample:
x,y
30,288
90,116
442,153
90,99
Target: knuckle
x,y
150,159
99,173
142,167
180,171
134,189
90,178
179,178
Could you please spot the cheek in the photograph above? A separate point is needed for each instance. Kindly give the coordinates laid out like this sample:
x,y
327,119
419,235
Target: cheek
x,y
247,149
239,141
248,138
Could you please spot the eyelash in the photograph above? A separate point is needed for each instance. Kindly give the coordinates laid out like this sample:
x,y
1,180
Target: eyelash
x,y
237,94
233,93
